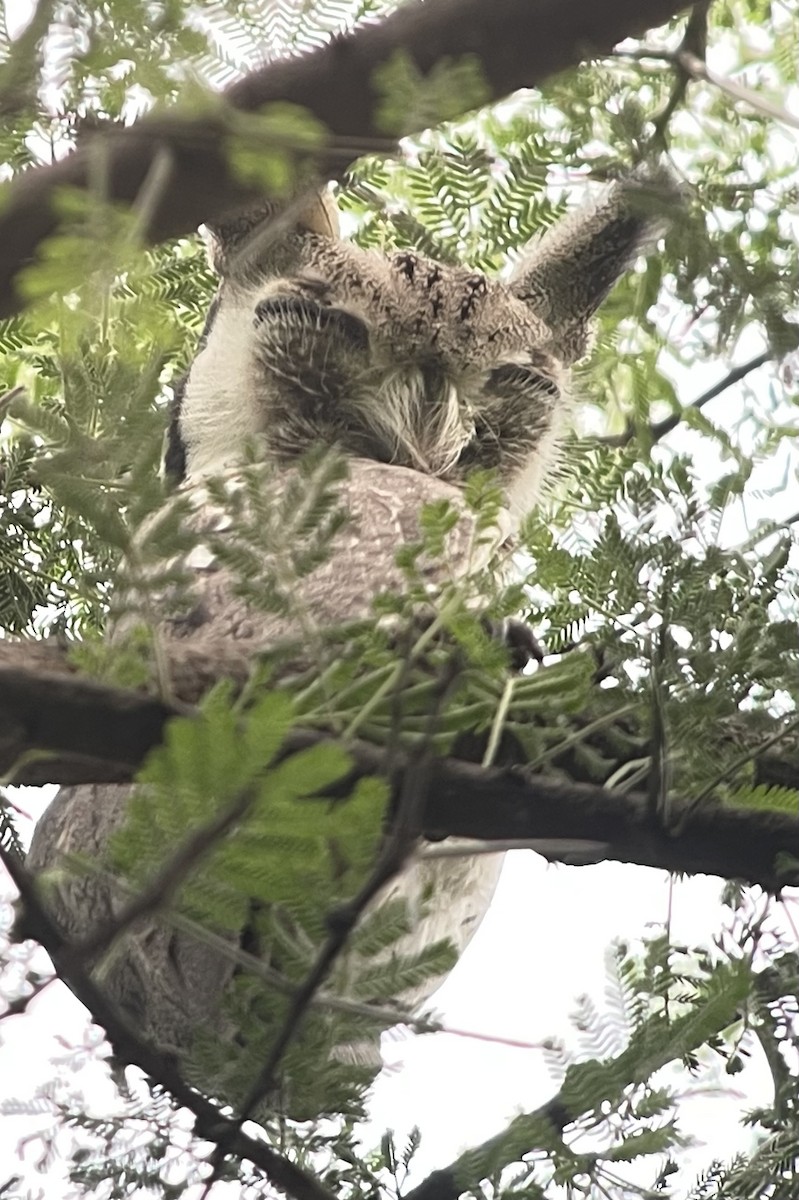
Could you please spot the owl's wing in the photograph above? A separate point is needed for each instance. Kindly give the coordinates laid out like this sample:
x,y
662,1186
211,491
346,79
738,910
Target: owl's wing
x,y
166,983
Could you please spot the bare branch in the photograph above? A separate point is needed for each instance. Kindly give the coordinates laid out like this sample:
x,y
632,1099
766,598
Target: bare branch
x,y
660,428
697,69
516,42
694,41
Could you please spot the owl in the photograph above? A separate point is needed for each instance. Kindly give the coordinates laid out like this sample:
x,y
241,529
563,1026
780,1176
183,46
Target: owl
x,y
399,359
417,373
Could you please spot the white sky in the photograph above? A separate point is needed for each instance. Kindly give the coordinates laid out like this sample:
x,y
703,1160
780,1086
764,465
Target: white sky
x,y
541,945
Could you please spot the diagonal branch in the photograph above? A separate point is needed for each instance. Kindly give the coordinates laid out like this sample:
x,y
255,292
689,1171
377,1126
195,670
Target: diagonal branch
x,y
211,1124
164,885
659,429
698,69
694,41
341,924
396,848
593,1089
518,43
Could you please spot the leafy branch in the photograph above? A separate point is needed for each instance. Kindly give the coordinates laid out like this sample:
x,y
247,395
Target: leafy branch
x,y
65,728
173,167
211,1123
592,1088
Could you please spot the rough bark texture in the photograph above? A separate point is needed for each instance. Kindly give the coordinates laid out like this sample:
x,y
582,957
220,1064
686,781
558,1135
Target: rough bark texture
x,y
94,733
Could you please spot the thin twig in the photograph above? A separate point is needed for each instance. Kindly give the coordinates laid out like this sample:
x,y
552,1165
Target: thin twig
x,y
557,848
405,829
404,832
498,723
693,66
151,193
256,966
694,41
659,429
699,70
8,398
744,760
341,924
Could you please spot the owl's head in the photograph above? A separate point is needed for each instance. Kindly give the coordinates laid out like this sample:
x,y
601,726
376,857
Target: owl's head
x,y
252,240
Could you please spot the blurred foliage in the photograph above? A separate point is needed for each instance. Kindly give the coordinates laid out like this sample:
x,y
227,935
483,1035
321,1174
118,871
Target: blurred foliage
x,y
661,571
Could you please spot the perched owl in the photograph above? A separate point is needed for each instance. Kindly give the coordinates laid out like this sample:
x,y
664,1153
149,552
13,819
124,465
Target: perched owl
x,y
418,373
399,359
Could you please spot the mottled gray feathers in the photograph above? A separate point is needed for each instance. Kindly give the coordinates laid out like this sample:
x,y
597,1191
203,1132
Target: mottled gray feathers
x,y
419,372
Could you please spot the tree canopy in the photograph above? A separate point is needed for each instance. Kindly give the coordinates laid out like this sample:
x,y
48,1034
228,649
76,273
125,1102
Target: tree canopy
x,y
660,572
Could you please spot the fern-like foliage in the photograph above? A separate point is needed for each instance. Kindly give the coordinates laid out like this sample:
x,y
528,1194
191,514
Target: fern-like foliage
x,y
672,641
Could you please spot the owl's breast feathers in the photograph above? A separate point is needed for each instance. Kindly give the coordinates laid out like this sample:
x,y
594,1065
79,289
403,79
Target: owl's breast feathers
x,y
383,506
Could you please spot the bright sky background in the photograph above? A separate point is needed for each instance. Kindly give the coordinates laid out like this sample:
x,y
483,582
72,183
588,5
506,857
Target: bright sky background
x,y
542,944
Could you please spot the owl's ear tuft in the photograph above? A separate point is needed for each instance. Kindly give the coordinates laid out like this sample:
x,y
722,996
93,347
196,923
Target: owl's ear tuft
x,y
567,273
249,240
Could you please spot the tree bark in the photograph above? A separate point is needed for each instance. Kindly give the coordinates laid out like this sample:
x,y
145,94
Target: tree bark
x,y
518,43
61,728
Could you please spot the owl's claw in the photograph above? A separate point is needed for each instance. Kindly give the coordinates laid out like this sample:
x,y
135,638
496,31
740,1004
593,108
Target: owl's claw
x,y
522,645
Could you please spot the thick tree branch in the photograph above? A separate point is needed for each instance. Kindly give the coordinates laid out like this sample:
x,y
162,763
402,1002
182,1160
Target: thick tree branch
x,y
92,732
518,43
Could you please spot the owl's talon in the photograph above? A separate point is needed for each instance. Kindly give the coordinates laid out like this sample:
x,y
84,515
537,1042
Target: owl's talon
x,y
522,644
